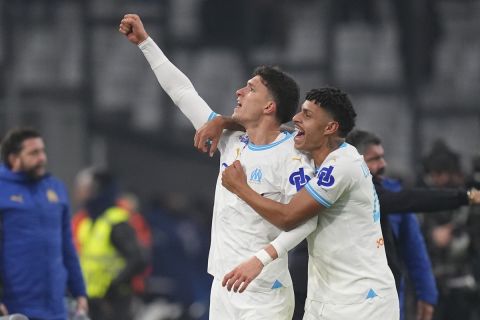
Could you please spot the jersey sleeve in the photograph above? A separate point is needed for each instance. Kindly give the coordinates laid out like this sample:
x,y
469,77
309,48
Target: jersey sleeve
x,y
332,180
287,240
176,85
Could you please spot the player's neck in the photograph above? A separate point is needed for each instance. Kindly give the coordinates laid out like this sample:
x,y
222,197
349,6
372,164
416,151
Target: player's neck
x,y
263,134
331,144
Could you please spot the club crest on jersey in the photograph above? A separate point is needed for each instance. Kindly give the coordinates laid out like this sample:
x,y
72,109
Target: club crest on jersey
x,y
256,176
325,177
52,196
299,179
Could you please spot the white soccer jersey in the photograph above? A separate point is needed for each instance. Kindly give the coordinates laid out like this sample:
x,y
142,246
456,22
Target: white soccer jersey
x,y
347,262
276,171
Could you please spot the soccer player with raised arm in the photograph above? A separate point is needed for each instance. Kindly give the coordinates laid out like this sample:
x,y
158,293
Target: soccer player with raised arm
x,y
348,275
274,168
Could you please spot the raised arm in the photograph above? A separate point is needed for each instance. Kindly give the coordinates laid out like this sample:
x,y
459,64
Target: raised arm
x,y
172,80
284,216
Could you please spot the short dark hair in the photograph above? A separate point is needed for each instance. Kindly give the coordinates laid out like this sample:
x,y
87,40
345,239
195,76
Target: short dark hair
x,y
284,90
362,140
338,104
12,143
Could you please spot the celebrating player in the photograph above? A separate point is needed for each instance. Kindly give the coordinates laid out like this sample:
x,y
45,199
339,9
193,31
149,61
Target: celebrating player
x,y
275,170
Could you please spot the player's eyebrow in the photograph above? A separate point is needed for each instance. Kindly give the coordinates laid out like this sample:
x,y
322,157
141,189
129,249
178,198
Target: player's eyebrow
x,y
306,111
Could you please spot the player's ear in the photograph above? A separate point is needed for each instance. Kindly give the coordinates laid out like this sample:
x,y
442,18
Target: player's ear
x,y
14,161
332,127
270,107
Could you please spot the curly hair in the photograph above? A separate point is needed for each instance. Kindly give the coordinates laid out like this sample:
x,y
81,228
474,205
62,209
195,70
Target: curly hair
x,y
338,104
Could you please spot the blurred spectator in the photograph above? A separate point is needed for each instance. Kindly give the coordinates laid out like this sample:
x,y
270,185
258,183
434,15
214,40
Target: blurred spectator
x,y
474,179
38,259
179,254
110,254
129,202
449,239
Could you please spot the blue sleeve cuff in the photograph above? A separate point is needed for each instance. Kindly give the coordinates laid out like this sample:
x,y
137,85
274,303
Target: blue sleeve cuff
x,y
212,116
324,202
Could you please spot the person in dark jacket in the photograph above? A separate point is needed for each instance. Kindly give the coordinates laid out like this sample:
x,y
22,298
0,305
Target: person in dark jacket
x,y
110,253
38,261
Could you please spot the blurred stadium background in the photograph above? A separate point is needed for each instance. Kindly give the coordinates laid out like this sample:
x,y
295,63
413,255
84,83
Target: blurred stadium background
x,y
411,67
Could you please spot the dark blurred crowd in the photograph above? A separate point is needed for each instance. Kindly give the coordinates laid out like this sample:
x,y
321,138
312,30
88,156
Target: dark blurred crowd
x,y
452,236
164,251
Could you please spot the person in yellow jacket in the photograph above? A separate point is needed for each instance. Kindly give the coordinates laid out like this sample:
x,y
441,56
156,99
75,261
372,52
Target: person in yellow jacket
x,y
110,254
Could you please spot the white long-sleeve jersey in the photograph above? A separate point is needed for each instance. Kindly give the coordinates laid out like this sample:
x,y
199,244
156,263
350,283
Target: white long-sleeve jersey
x,y
276,171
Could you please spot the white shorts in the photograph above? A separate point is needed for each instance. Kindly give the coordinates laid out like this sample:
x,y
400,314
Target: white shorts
x,y
276,304
378,308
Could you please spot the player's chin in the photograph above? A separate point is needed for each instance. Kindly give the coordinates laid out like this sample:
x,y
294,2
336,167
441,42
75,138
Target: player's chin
x,y
236,115
299,144
36,173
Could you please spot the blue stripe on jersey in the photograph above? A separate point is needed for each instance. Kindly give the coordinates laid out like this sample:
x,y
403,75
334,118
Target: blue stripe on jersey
x,y
324,202
343,145
254,147
212,116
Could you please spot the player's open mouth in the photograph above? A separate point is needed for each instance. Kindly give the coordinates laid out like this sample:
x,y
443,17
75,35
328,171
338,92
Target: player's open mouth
x,y
300,135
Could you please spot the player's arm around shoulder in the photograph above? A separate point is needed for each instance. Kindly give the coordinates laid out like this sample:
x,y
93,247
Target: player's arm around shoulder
x,y
208,136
